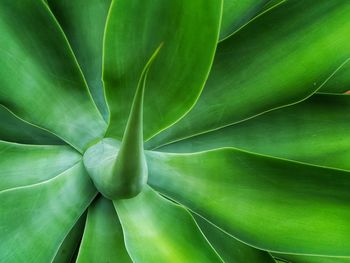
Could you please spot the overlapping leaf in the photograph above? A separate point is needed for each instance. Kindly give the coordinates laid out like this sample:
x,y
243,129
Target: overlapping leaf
x,y
314,131
35,219
40,79
268,64
269,203
189,32
157,230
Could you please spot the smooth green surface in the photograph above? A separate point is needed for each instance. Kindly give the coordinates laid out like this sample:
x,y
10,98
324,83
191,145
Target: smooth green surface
x,y
22,165
279,58
39,77
231,250
66,252
34,220
236,13
313,131
311,259
157,230
14,129
269,203
340,83
189,32
83,22
103,239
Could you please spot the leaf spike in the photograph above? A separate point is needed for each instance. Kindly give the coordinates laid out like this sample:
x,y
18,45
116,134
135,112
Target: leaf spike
x,y
130,168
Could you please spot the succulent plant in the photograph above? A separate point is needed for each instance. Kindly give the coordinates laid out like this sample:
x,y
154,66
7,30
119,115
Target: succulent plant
x,y
174,131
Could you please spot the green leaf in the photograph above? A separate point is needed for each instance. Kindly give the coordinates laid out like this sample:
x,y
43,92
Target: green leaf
x,y
267,64
103,239
83,23
68,248
189,31
40,79
157,230
16,130
35,219
236,13
22,165
313,131
340,83
269,203
229,248
310,259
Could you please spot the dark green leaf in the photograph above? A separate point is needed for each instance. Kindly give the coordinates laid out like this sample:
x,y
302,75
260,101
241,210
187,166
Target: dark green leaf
x,y
83,23
39,77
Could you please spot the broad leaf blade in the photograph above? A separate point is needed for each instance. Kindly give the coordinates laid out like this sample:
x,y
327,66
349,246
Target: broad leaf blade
x,y
16,130
229,248
269,203
40,79
157,230
274,68
35,219
189,31
310,259
340,83
313,131
236,13
83,22
22,165
103,239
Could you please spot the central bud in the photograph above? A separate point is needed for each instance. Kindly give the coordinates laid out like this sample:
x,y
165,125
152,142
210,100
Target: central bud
x,y
116,176
119,169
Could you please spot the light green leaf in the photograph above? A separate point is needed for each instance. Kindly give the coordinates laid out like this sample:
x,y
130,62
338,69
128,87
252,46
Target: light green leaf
x,y
310,259
40,79
34,220
68,248
83,23
16,130
22,165
230,249
267,65
157,230
236,13
269,203
189,31
313,131
103,239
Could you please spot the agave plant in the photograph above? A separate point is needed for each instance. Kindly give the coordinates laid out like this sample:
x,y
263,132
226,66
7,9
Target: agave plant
x,y
174,131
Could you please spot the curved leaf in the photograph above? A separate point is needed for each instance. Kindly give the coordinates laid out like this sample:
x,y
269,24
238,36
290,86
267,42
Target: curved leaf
x,y
157,230
189,31
22,165
40,79
16,130
83,23
313,131
35,219
236,13
69,246
274,68
269,203
310,259
103,239
229,248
